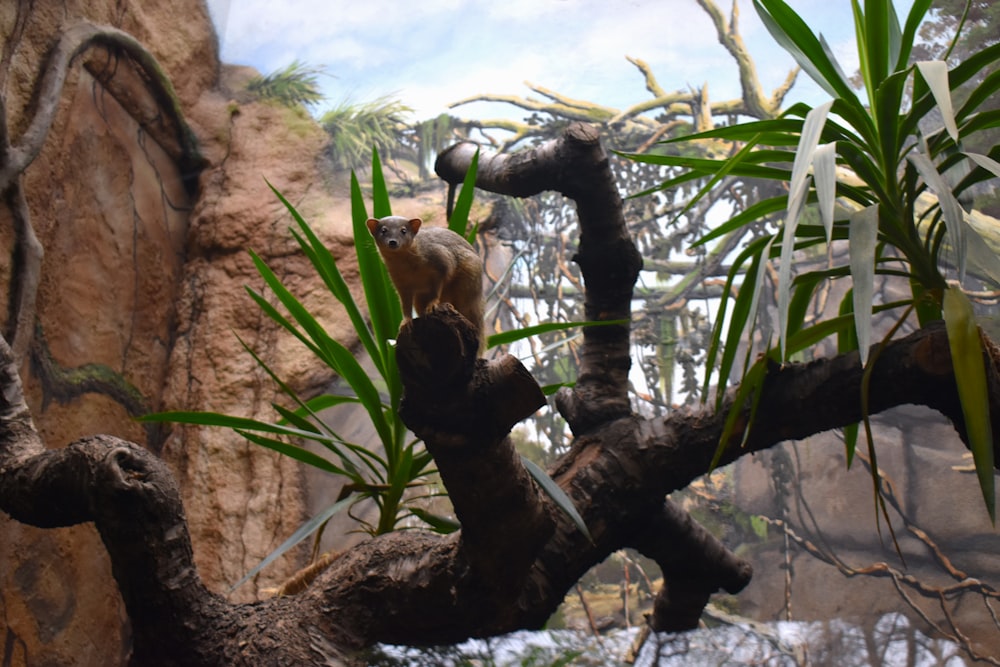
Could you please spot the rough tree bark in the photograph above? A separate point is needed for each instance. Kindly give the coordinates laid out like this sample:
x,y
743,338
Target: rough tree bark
x,y
517,554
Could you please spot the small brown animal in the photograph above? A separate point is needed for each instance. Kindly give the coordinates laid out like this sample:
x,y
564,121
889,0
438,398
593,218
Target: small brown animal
x,y
430,265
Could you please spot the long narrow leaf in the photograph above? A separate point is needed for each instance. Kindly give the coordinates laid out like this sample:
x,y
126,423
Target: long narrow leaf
x,y
284,322
954,216
797,189
383,304
935,73
754,212
380,193
300,454
304,531
440,524
785,273
825,178
970,375
506,337
864,232
459,221
916,16
753,380
558,496
326,266
740,318
792,34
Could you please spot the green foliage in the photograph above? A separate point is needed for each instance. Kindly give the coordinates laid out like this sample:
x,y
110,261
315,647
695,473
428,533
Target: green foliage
x,y
881,181
355,128
292,86
383,475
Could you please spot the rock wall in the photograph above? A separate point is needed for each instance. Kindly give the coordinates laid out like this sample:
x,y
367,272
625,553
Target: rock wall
x,y
141,298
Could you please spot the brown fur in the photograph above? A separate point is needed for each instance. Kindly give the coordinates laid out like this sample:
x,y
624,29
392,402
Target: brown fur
x,y
430,267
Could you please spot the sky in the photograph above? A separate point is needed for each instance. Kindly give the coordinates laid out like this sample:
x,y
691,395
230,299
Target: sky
x,y
431,53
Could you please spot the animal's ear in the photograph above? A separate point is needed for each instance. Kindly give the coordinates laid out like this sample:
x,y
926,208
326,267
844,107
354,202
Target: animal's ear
x,y
372,222
415,225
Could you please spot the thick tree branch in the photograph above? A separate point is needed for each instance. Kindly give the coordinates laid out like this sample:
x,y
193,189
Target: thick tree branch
x,y
463,408
577,166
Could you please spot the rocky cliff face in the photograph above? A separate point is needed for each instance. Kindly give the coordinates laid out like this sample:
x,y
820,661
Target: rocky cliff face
x,y
141,298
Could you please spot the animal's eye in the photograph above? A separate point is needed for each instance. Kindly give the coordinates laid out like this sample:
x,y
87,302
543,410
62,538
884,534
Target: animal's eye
x,y
403,231
383,230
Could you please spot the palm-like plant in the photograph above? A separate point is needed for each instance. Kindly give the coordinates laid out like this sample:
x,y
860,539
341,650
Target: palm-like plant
x,y
883,182
291,86
387,476
355,128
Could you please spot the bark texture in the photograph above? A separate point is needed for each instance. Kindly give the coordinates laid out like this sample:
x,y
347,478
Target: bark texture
x,y
517,554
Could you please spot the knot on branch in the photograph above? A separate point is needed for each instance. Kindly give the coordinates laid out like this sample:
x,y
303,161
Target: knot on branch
x,y
449,395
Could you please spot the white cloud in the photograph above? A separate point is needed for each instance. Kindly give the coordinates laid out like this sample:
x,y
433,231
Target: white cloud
x,y
434,52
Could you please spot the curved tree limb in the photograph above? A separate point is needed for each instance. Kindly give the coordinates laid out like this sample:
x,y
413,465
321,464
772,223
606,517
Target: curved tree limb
x,y
414,587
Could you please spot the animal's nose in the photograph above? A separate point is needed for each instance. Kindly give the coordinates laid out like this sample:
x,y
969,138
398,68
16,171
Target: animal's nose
x,y
393,243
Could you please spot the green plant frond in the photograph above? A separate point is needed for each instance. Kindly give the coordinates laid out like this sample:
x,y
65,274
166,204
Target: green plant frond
x,y
825,179
875,185
804,286
438,523
326,266
935,74
980,94
792,33
965,343
304,531
954,216
749,167
324,401
757,252
916,16
335,355
291,86
984,120
303,318
974,64
558,496
383,304
699,168
273,313
298,453
551,389
506,337
760,210
843,324
890,95
863,235
773,132
748,391
381,206
459,221
732,165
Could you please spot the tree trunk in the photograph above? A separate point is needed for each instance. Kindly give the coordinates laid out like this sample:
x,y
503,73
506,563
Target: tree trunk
x,y
517,553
